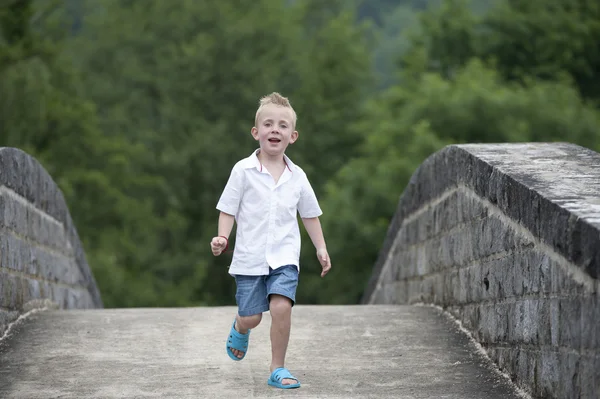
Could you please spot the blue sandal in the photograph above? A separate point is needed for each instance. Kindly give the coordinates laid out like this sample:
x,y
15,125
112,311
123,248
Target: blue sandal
x,y
237,341
279,375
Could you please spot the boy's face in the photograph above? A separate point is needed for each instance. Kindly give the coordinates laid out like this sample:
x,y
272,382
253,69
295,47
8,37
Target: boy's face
x,y
275,129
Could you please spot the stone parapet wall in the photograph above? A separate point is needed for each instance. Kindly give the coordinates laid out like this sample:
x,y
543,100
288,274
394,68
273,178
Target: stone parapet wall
x,y
506,238
41,257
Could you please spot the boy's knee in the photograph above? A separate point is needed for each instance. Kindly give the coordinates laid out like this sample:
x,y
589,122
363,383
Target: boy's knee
x,y
250,321
279,304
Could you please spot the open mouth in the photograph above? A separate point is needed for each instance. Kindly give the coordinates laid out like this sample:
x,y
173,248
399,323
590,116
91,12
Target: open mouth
x,y
274,140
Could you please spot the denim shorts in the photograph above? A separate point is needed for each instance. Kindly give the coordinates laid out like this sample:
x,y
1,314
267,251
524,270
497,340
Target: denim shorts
x,y
252,292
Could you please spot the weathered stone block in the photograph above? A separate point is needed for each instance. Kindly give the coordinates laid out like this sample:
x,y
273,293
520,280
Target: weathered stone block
x,y
545,323
548,374
526,368
403,238
506,359
569,375
424,252
390,271
565,283
531,321
56,267
33,288
534,360
583,248
466,316
590,322
500,335
475,284
570,322
8,291
463,285
555,317
590,376
521,369
501,277
541,280
427,289
529,278
452,212
399,292
414,291
405,258
387,294
487,324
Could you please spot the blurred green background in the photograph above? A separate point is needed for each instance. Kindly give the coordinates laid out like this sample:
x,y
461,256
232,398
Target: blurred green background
x,y
139,109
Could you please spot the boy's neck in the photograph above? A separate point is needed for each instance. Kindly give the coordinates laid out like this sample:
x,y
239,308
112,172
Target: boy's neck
x,y
265,159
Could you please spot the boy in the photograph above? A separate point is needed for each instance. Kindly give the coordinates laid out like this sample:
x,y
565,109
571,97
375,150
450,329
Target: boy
x,y
263,195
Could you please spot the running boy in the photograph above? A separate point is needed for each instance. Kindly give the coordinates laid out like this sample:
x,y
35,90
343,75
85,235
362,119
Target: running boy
x,y
264,194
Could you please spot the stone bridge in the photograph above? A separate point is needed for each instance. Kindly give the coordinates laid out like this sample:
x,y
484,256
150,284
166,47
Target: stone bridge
x,y
486,287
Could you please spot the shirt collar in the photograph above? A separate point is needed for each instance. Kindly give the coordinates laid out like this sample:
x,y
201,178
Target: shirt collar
x,y
253,162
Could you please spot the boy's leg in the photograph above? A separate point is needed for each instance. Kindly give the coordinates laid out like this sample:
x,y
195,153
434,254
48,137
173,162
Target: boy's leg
x,y
251,300
281,289
242,325
281,324
245,323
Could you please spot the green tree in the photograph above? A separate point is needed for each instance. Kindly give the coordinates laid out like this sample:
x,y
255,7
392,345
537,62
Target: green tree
x,y
545,39
183,79
393,42
524,40
445,40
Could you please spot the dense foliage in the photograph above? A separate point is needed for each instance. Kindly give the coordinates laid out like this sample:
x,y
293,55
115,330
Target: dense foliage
x,y
140,109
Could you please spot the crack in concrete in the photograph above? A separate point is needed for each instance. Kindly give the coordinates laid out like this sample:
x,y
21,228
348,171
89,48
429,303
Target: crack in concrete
x,y
30,308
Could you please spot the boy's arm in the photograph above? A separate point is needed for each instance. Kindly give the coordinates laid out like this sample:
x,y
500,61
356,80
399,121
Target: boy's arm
x,y
314,230
221,242
228,205
225,224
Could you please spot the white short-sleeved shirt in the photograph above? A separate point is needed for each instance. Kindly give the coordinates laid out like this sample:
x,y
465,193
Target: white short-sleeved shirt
x,y
267,232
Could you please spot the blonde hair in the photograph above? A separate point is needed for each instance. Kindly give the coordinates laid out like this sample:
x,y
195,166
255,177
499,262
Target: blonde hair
x,y
274,99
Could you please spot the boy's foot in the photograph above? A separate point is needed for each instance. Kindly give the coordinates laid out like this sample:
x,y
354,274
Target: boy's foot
x,y
237,343
282,378
237,353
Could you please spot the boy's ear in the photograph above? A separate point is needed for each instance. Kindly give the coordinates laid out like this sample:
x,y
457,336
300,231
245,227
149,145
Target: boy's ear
x,y
294,136
254,133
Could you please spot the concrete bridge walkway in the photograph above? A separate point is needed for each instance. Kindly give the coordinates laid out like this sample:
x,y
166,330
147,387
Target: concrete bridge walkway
x,y
380,351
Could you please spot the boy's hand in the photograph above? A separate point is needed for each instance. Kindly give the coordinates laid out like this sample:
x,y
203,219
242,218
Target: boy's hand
x,y
324,260
218,245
